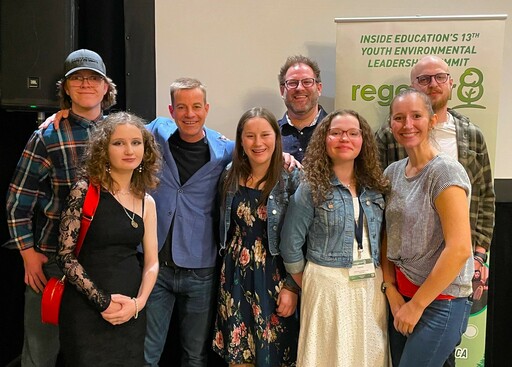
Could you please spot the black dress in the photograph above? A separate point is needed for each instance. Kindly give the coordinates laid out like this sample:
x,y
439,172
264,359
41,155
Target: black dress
x,y
107,264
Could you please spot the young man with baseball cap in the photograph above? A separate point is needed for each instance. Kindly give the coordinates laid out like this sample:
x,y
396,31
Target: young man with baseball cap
x,y
40,185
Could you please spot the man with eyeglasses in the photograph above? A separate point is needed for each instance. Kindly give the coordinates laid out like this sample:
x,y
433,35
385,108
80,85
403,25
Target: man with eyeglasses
x,y
40,186
301,86
459,138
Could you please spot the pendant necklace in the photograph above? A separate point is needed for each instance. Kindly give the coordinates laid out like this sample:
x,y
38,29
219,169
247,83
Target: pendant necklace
x,y
348,185
132,217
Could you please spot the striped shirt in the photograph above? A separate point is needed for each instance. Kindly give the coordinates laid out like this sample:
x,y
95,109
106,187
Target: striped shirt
x,y
413,226
472,154
42,181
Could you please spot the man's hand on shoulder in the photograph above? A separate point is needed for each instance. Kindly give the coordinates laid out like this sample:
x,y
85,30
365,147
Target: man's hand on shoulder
x,y
55,119
290,162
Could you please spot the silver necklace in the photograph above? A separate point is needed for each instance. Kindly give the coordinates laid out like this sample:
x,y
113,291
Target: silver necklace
x,y
132,217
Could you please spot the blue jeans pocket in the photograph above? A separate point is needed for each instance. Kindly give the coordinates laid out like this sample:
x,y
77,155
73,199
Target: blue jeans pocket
x,y
467,311
203,273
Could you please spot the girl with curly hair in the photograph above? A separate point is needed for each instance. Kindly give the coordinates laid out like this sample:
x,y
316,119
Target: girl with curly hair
x,y
338,212
102,319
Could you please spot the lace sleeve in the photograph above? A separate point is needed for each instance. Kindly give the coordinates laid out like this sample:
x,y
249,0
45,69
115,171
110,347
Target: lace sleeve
x,y
69,229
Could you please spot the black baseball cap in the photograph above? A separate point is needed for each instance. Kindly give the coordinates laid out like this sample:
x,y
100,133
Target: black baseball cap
x,y
84,60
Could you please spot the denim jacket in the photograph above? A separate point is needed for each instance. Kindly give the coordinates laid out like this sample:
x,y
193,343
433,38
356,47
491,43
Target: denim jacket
x,y
276,208
328,228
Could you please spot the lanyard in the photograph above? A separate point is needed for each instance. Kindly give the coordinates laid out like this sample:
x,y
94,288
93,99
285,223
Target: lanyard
x,y
359,228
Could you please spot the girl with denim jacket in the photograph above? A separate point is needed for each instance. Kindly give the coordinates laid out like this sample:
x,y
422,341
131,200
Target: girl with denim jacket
x,y
255,323
338,212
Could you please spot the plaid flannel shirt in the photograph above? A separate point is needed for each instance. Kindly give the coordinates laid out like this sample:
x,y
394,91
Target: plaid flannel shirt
x,y
472,153
42,181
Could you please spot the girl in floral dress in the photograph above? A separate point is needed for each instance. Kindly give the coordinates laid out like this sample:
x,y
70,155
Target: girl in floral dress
x,y
256,323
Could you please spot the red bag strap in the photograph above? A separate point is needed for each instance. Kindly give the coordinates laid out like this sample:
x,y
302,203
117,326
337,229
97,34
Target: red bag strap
x,y
91,201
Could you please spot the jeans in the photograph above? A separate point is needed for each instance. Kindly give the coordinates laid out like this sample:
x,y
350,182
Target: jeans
x,y
450,361
193,291
40,341
434,337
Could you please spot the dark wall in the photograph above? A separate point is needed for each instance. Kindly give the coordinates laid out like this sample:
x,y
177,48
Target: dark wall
x,y
28,71
17,128
499,340
123,33
139,42
35,38
102,27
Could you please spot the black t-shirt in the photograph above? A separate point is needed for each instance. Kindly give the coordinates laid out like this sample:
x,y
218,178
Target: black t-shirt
x,y
189,158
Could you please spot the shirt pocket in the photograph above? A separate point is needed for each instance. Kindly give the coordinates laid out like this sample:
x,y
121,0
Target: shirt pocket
x,y
378,206
329,220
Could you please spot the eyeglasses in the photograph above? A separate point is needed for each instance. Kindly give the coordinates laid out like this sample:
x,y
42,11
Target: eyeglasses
x,y
77,80
294,84
352,134
440,78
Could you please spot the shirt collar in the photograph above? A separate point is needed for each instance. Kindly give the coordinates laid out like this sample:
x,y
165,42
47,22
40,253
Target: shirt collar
x,y
83,121
450,122
313,123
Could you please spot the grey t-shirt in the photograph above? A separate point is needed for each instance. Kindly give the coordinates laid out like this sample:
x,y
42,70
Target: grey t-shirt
x,y
414,232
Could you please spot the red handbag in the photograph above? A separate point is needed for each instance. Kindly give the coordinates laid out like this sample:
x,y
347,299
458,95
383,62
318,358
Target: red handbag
x,y
52,293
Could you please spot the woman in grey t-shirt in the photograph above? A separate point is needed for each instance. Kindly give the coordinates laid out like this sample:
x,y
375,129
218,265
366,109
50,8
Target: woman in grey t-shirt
x,y
429,265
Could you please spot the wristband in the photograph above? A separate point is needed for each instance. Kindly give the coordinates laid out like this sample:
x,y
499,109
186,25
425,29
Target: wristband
x,y
385,286
136,308
291,288
481,257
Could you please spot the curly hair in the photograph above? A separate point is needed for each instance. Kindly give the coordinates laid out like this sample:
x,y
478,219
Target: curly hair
x,y
96,158
241,167
298,59
318,170
109,99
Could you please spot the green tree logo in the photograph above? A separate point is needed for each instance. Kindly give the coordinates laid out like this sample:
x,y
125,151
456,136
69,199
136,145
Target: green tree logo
x,y
470,88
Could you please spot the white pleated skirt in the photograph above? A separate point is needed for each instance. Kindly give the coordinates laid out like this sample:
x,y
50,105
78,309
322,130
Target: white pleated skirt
x,y
342,323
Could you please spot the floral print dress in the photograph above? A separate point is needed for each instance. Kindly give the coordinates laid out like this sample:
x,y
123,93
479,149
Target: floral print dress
x,y
247,328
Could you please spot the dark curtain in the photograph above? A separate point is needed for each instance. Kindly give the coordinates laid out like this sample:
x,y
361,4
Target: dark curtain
x,y
102,27
499,316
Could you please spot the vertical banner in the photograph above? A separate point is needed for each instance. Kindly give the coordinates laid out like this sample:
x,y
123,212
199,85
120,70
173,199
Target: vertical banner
x,y
374,57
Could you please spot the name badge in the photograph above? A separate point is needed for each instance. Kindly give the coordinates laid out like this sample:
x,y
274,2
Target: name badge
x,y
361,269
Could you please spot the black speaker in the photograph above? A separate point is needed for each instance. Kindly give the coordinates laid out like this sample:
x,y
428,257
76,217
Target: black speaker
x,y
35,38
